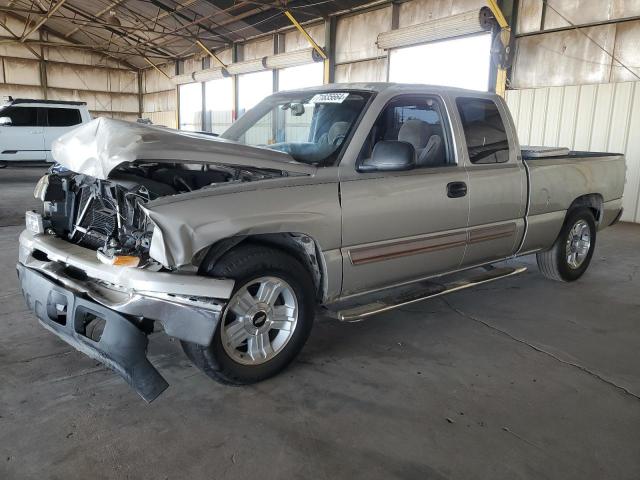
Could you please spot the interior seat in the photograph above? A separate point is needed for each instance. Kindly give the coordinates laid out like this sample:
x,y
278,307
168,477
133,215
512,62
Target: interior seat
x,y
428,145
336,134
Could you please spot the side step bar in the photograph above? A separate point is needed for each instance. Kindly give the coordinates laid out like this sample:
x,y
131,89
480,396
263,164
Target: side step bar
x,y
431,290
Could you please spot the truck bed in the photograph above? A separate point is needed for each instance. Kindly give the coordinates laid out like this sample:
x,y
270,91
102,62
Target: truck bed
x,y
556,181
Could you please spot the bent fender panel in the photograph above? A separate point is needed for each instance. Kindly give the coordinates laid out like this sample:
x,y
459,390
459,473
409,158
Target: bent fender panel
x,y
187,227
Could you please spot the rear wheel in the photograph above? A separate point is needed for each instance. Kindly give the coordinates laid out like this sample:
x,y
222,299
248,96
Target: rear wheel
x,y
570,255
266,321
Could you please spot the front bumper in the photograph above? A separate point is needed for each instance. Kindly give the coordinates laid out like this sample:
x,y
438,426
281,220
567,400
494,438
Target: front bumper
x,y
122,345
68,288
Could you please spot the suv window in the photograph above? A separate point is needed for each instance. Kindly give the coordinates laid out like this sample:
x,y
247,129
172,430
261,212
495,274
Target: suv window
x,y
21,116
484,130
417,120
63,117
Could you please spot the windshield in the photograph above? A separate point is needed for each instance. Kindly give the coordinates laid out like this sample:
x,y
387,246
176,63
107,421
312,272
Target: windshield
x,y
310,126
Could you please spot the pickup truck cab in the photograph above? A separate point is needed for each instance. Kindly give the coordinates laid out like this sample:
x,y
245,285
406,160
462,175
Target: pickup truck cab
x,y
29,127
355,199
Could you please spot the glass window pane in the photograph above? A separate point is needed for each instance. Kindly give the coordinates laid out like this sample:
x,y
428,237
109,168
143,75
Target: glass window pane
x,y
191,107
433,63
219,104
252,88
310,126
484,130
302,76
63,117
21,116
417,120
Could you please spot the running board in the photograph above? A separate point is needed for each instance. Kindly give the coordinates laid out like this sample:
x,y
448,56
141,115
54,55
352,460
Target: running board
x,y
430,290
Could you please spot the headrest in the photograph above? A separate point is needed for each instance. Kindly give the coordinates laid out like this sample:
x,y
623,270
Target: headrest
x,y
337,130
416,132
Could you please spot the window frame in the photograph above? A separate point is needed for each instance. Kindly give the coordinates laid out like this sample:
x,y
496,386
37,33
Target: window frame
x,y
447,132
505,124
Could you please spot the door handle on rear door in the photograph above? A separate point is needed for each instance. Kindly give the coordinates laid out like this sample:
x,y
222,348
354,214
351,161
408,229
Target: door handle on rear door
x,y
456,189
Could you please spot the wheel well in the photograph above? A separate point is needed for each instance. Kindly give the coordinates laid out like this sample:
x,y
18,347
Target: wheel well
x,y
299,245
592,201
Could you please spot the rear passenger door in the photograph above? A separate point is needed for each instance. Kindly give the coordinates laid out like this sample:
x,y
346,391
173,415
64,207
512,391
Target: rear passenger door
x,y
59,120
403,225
497,180
22,139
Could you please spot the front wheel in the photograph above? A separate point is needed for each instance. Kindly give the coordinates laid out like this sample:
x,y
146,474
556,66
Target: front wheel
x,y
266,321
570,255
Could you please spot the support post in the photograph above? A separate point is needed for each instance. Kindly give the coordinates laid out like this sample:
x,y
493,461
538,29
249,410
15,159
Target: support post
x,y
236,56
330,49
140,94
505,38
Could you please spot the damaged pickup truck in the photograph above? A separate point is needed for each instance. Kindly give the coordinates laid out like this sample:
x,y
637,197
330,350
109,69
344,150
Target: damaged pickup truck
x,y
355,199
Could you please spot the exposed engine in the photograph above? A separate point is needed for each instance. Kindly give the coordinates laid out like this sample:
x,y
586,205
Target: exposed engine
x,y
105,215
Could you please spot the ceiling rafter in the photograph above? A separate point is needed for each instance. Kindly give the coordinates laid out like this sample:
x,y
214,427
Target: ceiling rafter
x,y
113,29
132,32
98,15
52,9
51,31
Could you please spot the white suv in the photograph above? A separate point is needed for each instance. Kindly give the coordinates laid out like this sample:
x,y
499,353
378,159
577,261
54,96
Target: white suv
x,y
28,127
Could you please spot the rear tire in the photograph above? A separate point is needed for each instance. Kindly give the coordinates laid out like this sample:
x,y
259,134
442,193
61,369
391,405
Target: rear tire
x,y
265,323
570,255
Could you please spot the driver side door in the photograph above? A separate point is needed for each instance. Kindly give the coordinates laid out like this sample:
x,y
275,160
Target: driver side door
x,y
404,225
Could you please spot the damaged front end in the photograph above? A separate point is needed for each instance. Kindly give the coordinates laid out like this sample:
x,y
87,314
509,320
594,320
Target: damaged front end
x,y
85,269
87,264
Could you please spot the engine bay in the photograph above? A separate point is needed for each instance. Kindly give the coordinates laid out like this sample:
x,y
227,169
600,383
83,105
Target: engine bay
x,y
106,215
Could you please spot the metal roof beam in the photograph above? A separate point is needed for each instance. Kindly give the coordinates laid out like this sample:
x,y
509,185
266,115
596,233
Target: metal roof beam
x,y
73,42
52,9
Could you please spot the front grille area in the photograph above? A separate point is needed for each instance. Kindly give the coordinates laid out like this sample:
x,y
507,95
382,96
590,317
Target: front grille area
x,y
96,218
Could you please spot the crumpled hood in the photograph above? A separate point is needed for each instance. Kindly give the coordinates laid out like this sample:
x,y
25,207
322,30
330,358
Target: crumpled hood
x,y
101,145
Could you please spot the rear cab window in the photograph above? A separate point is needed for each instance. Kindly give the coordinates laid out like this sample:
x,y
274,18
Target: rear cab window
x,y
484,130
63,117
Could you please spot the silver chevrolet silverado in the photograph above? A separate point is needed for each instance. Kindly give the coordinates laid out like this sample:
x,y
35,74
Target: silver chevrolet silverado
x,y
351,199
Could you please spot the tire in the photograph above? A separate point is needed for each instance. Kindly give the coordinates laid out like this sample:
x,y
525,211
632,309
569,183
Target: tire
x,y
555,263
261,273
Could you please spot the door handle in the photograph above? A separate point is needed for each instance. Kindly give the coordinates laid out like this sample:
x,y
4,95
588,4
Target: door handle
x,y
456,189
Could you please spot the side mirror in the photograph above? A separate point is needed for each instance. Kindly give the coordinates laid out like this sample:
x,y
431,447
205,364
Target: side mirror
x,y
390,156
5,121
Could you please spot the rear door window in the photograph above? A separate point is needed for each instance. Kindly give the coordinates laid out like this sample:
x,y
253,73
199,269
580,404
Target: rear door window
x,y
484,130
21,116
63,117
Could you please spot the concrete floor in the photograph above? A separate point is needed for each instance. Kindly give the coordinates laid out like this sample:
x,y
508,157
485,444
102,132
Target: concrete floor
x,y
523,378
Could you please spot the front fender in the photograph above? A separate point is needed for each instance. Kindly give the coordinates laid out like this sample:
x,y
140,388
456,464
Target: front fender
x,y
183,228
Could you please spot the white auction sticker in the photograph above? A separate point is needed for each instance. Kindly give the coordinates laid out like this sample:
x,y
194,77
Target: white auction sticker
x,y
337,97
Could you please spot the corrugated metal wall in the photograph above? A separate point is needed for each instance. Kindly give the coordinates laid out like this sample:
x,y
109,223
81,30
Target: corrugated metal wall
x,y
604,117
69,74
160,99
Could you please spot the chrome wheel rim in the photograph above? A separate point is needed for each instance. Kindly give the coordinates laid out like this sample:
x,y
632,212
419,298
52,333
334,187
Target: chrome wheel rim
x,y
578,244
259,320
